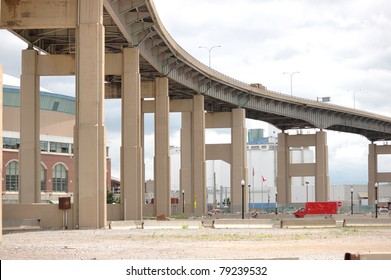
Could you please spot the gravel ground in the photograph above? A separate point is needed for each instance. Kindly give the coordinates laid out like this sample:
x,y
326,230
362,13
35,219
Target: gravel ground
x,y
207,243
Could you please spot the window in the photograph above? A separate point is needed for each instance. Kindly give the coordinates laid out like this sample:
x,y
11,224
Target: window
x,y
43,178
10,143
56,147
12,176
60,178
44,146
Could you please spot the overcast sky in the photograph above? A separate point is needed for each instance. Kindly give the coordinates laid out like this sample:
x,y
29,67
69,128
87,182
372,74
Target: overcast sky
x,y
342,49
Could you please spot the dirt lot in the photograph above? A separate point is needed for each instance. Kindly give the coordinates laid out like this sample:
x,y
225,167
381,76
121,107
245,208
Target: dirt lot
x,y
208,243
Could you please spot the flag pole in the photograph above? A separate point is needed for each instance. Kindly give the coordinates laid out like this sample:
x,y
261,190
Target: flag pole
x,y
253,187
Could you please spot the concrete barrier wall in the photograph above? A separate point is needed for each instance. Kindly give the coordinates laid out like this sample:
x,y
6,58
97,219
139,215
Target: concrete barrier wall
x,y
114,212
179,224
354,222
310,223
49,215
247,224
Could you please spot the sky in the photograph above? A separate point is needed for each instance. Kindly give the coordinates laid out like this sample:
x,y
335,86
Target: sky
x,y
341,49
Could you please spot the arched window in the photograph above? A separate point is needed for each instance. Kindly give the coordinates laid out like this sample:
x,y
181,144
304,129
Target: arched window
x,y
43,178
12,176
60,178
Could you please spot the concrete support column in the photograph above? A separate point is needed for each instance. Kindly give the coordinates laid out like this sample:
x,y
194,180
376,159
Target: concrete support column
x,y
162,152
186,163
322,168
29,151
372,172
90,138
198,155
284,192
131,151
1,154
239,160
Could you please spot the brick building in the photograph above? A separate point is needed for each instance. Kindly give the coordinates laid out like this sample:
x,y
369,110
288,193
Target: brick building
x,y
56,140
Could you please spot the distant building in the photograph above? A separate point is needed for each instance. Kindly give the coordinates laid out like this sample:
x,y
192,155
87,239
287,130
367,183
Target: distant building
x,y
56,141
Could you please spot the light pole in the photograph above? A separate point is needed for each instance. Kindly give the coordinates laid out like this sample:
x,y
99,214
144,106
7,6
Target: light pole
x,y
354,97
376,186
351,200
210,51
242,183
306,183
183,201
291,74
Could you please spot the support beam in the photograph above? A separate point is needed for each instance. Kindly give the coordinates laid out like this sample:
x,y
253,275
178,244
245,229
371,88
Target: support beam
x,y
186,163
198,155
29,151
239,160
1,154
284,190
131,152
322,178
286,170
162,151
374,176
90,138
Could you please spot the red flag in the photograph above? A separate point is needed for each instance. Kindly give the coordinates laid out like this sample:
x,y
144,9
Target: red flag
x,y
263,179
253,172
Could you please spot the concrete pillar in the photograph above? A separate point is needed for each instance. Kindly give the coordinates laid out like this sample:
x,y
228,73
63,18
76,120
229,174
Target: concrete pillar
x,y
90,138
284,192
322,168
239,160
198,155
131,151
186,163
1,154
372,173
29,151
162,152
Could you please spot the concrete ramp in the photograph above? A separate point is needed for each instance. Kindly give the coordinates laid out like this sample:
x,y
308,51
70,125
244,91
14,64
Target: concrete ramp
x,y
247,224
185,224
308,223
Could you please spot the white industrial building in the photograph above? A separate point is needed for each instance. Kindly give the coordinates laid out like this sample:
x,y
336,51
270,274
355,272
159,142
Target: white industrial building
x,y
261,163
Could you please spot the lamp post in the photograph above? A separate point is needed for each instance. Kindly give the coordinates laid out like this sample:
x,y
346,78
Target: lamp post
x,y
210,51
183,201
242,183
351,201
354,97
291,74
276,202
376,186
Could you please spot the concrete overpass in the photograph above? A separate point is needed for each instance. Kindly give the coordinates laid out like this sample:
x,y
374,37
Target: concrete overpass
x,y
120,49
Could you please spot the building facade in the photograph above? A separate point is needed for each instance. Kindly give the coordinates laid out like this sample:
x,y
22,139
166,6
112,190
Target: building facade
x,y
56,142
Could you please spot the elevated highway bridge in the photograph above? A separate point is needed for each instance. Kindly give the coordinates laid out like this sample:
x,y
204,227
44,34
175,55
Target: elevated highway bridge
x,y
120,49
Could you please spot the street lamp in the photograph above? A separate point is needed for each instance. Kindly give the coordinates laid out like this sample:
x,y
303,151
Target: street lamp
x,y
351,200
306,183
354,97
376,186
242,183
183,201
209,50
291,74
